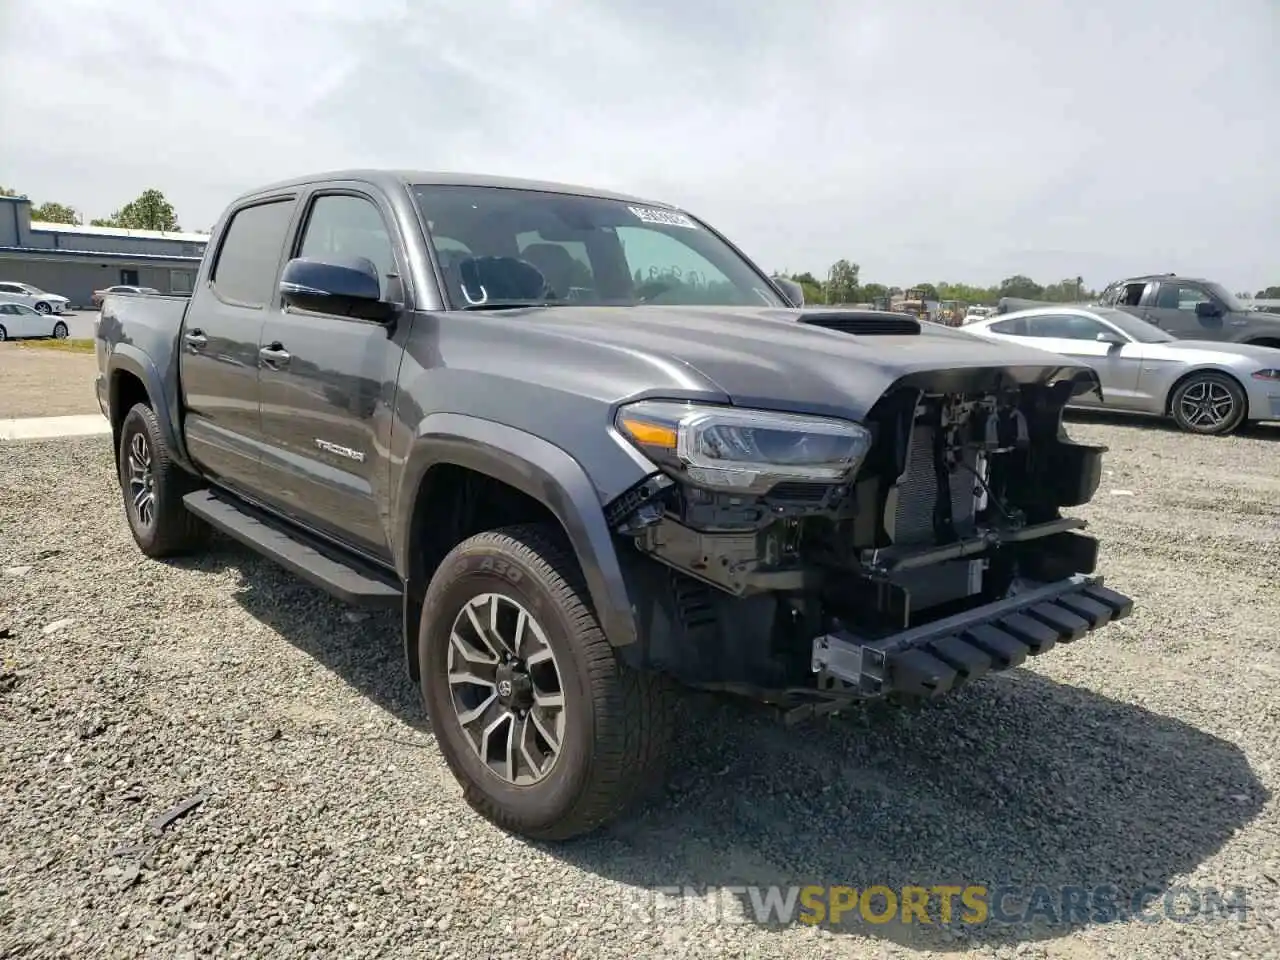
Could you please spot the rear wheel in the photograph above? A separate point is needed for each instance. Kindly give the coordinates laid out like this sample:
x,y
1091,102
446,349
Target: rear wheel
x,y
549,733
153,486
60,330
1208,402
4,334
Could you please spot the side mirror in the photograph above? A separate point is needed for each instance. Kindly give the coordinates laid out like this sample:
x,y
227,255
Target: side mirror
x,y
1114,339
1206,310
347,287
791,290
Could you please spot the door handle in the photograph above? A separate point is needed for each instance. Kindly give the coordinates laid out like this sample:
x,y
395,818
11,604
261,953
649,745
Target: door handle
x,y
196,339
274,355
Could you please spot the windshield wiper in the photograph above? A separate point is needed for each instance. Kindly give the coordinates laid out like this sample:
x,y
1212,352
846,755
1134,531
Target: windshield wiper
x,y
504,305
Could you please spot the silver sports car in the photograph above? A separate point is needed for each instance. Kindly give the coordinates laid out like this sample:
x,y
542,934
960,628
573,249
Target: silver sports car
x,y
1206,386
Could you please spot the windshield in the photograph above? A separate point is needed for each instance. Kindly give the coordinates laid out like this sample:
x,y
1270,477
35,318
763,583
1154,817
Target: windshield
x,y
1135,327
500,246
1225,297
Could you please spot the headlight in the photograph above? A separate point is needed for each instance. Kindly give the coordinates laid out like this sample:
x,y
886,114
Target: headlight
x,y
1272,374
747,450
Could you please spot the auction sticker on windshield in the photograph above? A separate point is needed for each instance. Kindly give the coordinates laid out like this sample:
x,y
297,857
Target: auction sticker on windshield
x,y
666,218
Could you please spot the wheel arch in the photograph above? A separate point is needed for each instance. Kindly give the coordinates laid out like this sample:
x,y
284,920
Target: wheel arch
x,y
461,470
133,378
1197,371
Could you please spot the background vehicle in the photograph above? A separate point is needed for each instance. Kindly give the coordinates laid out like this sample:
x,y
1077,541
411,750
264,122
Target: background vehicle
x,y
1191,308
18,321
975,313
39,300
951,312
99,295
382,382
1205,386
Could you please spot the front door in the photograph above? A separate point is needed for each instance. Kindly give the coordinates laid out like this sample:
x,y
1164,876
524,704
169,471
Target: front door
x,y
1174,310
1074,335
328,383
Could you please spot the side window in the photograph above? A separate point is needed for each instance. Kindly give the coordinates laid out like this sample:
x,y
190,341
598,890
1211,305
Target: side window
x,y
344,226
1180,296
1066,327
9,288
7,308
249,257
659,264
1016,327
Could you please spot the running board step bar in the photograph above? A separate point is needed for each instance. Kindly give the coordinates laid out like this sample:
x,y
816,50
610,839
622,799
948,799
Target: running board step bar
x,y
930,660
355,585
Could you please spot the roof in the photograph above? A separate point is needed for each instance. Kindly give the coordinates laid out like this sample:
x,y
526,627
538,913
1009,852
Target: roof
x,y
176,235
389,179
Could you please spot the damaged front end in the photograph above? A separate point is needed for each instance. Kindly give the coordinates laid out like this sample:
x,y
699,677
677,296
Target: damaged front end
x,y
809,561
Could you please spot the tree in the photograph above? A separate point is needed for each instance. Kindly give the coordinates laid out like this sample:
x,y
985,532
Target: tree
x,y
1021,287
6,192
842,282
150,211
873,291
53,212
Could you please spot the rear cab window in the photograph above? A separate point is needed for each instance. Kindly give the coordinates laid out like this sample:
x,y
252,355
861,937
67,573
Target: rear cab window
x,y
248,259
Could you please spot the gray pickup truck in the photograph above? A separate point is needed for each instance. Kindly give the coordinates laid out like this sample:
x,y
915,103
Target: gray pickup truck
x,y
593,452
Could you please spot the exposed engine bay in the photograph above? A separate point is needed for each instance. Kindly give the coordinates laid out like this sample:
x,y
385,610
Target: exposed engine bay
x,y
955,506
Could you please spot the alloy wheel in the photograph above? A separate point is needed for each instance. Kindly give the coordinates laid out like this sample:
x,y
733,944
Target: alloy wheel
x,y
506,690
142,491
1206,404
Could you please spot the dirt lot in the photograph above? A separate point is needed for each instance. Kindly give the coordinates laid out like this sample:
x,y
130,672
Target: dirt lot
x,y
1144,756
26,373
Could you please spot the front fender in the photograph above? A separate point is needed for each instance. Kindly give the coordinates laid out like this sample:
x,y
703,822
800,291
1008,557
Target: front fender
x,y
125,357
537,468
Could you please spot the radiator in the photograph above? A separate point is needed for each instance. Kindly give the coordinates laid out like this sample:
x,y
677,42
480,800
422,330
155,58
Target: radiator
x,y
909,510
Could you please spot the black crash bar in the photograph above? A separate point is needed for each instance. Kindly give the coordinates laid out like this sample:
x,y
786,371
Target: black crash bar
x,y
931,659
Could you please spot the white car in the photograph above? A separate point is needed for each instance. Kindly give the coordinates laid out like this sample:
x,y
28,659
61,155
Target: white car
x,y
18,320
1205,386
39,300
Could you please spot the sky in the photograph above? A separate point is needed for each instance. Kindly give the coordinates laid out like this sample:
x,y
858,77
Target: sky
x,y
925,141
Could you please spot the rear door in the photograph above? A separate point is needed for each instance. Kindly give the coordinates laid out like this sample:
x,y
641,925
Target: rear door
x,y
328,381
219,344
1173,309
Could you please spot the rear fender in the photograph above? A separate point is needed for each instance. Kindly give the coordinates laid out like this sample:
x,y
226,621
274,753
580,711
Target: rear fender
x,y
129,359
537,468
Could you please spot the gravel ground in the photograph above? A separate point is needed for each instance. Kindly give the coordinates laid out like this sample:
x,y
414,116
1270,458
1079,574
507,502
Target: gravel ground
x,y
35,382
330,825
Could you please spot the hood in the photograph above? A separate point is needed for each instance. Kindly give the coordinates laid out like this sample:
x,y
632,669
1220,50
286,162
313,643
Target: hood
x,y
766,357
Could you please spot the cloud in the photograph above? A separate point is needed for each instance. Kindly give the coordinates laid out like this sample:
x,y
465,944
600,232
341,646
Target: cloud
x,y
922,140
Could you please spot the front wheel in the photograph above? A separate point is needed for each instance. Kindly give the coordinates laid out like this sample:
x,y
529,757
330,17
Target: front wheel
x,y
153,487
549,733
60,330
4,334
1208,403
43,308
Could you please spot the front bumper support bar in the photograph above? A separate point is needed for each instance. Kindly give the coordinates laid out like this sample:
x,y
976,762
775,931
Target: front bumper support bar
x,y
934,658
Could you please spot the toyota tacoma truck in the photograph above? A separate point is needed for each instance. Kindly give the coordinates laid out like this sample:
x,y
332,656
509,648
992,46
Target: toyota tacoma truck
x,y
593,453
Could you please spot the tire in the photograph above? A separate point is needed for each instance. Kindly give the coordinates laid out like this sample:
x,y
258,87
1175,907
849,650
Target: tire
x,y
44,308
4,334
614,722
1203,394
60,331
167,528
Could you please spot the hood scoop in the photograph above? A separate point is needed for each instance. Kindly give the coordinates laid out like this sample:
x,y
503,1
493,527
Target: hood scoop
x,y
864,323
